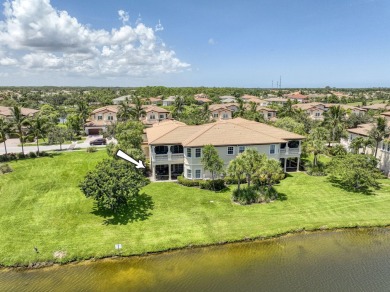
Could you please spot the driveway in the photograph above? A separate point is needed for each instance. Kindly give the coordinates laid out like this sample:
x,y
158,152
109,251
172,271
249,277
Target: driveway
x,y
12,145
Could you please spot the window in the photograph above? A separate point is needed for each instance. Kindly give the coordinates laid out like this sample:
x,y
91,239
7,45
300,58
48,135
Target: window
x,y
198,152
189,174
152,117
318,114
241,149
272,149
197,173
176,149
100,118
269,115
225,116
215,115
110,118
162,116
161,149
230,150
188,152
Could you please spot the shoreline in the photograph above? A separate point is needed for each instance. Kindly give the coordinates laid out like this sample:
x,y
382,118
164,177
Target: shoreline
x,y
41,265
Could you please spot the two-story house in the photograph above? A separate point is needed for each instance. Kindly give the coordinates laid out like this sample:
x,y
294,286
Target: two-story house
x,y
383,153
220,112
176,148
100,118
154,114
315,110
6,112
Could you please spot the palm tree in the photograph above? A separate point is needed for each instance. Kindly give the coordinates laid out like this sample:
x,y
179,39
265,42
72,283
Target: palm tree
x,y
356,144
379,131
82,110
335,119
271,172
38,129
241,108
178,106
137,111
316,143
19,121
124,112
5,129
236,169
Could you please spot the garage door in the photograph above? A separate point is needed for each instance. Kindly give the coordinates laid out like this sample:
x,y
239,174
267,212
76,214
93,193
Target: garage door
x,y
93,131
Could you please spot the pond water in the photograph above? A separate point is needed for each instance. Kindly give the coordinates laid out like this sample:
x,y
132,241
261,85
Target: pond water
x,y
347,260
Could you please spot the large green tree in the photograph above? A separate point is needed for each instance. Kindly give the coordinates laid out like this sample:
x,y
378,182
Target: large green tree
x,y
236,169
334,120
5,130
355,171
379,132
114,184
19,121
289,124
252,161
38,128
270,173
137,110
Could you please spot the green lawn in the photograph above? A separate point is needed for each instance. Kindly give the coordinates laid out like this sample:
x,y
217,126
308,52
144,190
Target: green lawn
x,y
42,206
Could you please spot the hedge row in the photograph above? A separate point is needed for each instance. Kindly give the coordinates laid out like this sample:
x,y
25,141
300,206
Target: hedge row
x,y
216,185
17,156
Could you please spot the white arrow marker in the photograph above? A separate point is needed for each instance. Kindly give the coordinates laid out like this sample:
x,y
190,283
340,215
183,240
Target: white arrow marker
x,y
126,157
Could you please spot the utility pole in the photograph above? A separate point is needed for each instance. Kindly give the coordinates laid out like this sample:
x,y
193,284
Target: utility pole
x,y
280,81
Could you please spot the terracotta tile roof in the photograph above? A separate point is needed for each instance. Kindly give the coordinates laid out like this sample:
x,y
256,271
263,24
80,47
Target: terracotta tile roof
x,y
7,111
387,114
219,107
153,108
229,132
276,99
109,108
308,106
377,106
363,129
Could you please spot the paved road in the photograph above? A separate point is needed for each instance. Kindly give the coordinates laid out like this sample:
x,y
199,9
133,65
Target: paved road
x,y
12,146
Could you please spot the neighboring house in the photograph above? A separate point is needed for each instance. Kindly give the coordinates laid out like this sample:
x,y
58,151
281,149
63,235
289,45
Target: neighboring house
x,y
100,118
202,98
154,114
169,101
220,112
121,99
152,101
275,101
315,110
268,113
176,148
255,99
383,153
223,97
6,112
348,108
229,100
377,107
298,97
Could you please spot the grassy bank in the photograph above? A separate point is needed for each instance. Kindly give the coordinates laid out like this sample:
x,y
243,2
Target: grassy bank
x,y
41,206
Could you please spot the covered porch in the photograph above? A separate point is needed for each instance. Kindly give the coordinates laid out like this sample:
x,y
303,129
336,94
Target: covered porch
x,y
290,164
166,172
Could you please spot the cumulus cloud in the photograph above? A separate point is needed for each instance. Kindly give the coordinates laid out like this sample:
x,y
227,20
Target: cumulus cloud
x,y
159,26
123,16
36,36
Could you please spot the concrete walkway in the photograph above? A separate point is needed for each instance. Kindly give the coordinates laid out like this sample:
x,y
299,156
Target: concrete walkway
x,y
12,146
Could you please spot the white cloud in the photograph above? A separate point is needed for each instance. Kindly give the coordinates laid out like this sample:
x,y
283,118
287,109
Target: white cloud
x,y
159,26
35,36
211,41
123,16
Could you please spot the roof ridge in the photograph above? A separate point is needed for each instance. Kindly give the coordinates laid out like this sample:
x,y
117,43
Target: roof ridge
x,y
197,134
174,128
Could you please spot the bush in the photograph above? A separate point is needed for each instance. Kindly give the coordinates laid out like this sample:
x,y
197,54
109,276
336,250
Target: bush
x,y
318,170
214,185
233,180
5,168
91,149
32,155
187,182
20,155
246,196
44,153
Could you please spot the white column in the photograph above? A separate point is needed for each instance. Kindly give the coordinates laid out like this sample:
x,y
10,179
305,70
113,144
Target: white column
x,y
169,153
169,171
285,164
153,171
299,159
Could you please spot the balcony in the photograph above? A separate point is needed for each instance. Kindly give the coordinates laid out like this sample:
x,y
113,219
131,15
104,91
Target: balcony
x,y
290,151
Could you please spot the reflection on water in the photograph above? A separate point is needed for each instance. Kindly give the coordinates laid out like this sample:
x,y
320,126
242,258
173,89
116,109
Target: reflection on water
x,y
350,260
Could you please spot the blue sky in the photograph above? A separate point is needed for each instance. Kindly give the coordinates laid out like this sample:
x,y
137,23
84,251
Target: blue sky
x,y
310,43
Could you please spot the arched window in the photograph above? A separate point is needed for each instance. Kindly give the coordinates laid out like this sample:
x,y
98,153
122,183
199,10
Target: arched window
x,y
176,149
161,149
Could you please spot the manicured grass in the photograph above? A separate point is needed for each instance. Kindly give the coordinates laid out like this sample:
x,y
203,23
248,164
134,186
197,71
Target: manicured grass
x,y
42,206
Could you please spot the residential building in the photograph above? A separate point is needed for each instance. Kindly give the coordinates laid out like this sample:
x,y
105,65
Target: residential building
x,y
378,107
152,101
251,98
154,114
268,113
202,98
176,148
220,112
298,97
169,101
6,112
383,153
100,119
315,110
120,99
275,101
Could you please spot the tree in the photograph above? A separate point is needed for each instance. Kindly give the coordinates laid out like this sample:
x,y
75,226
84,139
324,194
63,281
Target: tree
x,y
137,111
178,107
270,173
241,108
57,135
125,111
355,171
335,120
315,143
289,124
129,134
82,110
114,184
5,129
73,122
49,113
37,128
378,132
356,144
236,170
19,121
211,161
252,161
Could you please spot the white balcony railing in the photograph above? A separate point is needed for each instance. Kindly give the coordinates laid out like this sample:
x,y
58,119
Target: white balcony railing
x,y
160,157
168,157
177,156
289,151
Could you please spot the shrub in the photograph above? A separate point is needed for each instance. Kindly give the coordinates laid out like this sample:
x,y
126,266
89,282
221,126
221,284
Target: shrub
x,y
20,155
91,149
246,196
214,185
187,182
44,153
318,170
5,168
32,155
233,180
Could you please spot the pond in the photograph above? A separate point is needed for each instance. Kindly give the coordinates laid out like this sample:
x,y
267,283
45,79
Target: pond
x,y
345,260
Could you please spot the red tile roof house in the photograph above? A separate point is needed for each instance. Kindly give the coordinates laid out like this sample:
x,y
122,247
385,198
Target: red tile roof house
x,y
175,148
298,97
6,112
383,153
